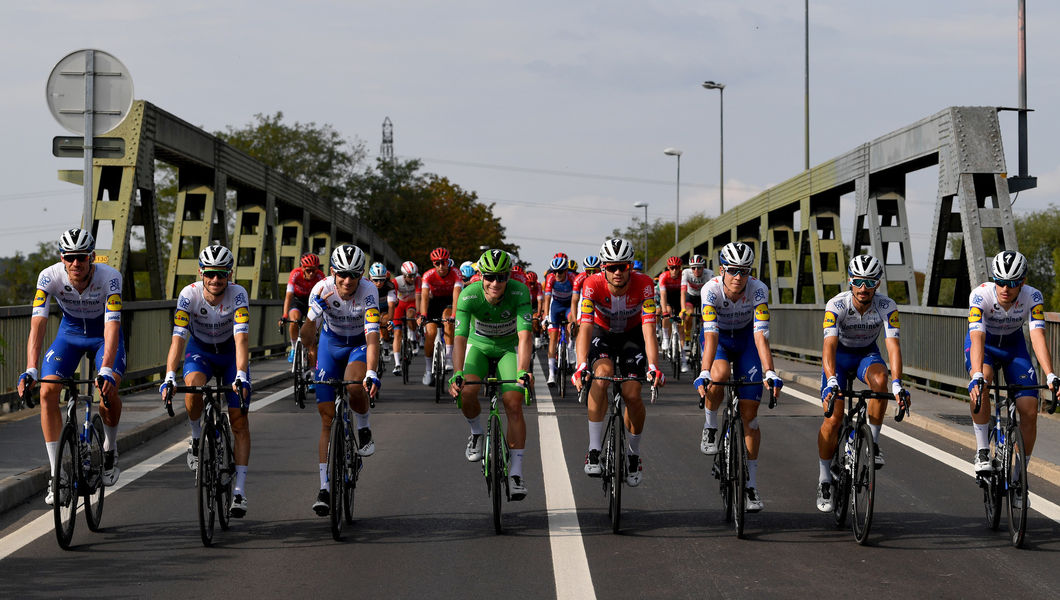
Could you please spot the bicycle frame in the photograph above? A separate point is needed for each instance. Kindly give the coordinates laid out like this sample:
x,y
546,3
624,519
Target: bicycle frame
x,y
344,463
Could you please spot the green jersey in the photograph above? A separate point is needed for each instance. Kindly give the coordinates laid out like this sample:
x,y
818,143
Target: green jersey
x,y
494,325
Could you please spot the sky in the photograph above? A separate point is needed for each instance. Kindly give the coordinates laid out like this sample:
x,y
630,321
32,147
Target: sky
x,y
556,112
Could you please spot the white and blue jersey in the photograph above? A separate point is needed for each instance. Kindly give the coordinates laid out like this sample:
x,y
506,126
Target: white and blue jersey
x,y
346,324
210,331
857,332
1005,345
84,316
735,321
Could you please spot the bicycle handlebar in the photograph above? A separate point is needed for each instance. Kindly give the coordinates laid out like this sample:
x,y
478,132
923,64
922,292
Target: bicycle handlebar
x,y
862,395
744,383
621,379
71,386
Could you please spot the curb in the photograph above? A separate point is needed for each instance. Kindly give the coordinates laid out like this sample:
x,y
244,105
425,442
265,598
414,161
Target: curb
x,y
1042,468
16,489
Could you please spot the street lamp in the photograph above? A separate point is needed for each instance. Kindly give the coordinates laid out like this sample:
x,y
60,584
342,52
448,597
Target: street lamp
x,y
712,85
644,205
677,210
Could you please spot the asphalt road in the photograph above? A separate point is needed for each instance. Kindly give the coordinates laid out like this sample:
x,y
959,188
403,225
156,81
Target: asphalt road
x,y
424,529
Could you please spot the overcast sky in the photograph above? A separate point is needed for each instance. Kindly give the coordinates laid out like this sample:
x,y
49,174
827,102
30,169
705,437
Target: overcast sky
x,y
558,112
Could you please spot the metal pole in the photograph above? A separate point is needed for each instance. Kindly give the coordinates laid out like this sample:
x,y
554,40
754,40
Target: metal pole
x,y
646,263
806,98
90,103
677,216
721,152
1022,68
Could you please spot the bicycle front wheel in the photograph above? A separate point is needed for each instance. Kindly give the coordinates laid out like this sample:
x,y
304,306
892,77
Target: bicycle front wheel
x,y
336,477
224,473
496,471
863,487
94,475
206,483
1018,492
675,349
841,479
618,471
64,487
438,365
561,367
738,471
300,384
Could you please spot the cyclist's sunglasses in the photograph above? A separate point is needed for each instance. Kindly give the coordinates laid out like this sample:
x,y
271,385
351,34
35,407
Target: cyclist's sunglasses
x,y
1009,283
738,271
215,274
380,280
72,258
617,267
592,270
860,282
674,267
439,263
347,274
498,277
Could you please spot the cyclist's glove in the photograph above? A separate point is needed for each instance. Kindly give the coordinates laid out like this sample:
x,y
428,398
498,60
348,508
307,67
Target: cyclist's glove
x,y
776,382
702,380
977,380
580,373
896,387
457,379
30,376
372,378
1052,381
524,377
319,303
832,387
655,376
169,382
107,374
242,382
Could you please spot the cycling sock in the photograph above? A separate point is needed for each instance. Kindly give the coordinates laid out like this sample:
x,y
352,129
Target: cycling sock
x,y
596,435
982,435
752,470
324,476
875,432
711,420
634,443
552,366
53,452
196,428
110,437
515,467
476,425
427,362
241,479
362,419
825,473
449,352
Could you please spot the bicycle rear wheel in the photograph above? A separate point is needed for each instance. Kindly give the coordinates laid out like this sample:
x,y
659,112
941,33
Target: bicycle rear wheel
x,y
618,471
65,487
1018,488
722,469
496,470
561,366
864,484
299,375
840,479
206,483
738,466
225,469
94,475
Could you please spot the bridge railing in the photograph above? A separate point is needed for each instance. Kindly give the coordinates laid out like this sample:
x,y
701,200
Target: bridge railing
x,y
147,327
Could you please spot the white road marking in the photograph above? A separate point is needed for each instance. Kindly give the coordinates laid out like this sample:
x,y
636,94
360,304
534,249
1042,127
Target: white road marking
x,y
569,562
45,523
1038,503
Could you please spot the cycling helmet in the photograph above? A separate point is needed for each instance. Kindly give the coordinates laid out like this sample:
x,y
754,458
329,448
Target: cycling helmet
x,y
466,263
516,267
865,265
558,264
674,261
561,255
467,271
572,265
591,262
310,260
377,271
737,254
76,240
531,277
1010,264
638,266
439,254
216,257
616,250
409,268
348,257
697,260
494,261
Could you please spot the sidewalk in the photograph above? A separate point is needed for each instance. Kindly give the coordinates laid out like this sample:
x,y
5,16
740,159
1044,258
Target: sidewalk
x,y
946,417
23,459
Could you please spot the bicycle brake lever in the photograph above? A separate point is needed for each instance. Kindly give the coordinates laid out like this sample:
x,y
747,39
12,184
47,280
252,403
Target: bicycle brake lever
x,y
831,405
99,384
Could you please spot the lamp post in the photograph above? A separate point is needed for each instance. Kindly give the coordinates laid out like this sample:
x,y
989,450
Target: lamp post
x,y
644,205
712,85
677,209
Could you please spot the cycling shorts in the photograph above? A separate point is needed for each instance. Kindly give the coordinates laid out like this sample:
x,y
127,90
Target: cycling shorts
x,y
401,310
557,314
199,360
673,301
737,347
66,351
437,306
853,361
301,305
333,355
478,360
625,350
1013,358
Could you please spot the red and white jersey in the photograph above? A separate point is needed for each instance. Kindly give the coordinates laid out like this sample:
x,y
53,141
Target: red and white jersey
x,y
536,292
672,283
405,287
618,314
579,281
520,276
301,286
439,286
690,284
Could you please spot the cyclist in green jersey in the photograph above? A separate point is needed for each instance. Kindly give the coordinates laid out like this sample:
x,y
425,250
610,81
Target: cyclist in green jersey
x,y
493,323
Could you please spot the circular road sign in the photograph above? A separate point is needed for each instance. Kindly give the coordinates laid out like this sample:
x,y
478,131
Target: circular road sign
x,y
112,92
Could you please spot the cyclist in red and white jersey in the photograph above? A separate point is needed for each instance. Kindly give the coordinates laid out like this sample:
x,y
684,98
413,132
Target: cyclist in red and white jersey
x,y
296,300
406,297
617,314
670,300
438,294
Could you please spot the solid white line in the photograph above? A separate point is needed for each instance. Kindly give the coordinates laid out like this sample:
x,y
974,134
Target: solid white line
x,y
569,562
1038,503
45,523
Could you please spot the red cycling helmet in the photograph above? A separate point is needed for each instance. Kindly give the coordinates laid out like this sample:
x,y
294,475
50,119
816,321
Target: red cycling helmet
x,y
531,276
673,261
439,254
517,268
310,260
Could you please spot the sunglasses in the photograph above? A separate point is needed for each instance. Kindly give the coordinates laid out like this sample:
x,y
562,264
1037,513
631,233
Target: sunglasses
x,y
379,280
860,282
215,274
1009,283
674,268
592,270
738,271
72,258
347,274
617,267
498,277
439,263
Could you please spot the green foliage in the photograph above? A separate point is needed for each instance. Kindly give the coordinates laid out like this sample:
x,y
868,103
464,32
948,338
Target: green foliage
x,y
19,273
1054,302
660,235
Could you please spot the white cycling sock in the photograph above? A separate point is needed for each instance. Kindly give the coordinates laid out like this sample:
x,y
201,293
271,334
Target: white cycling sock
x,y
825,473
596,435
449,352
711,417
427,362
982,435
515,467
324,476
552,366
634,443
875,432
362,419
241,479
196,428
110,437
752,470
476,425
53,452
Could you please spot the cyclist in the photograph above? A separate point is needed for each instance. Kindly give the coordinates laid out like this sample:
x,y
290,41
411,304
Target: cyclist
x,y
299,284
559,287
638,266
692,280
592,267
439,291
996,313
384,287
89,296
537,306
345,308
736,340
670,301
852,322
407,294
211,330
518,274
467,271
493,325
617,314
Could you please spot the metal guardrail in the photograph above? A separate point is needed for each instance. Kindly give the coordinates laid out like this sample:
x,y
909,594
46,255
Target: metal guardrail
x,y
147,327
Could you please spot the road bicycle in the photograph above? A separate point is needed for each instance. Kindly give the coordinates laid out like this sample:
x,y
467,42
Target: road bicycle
x,y
730,463
614,462
695,338
563,362
78,461
344,462
854,461
408,342
1008,458
216,471
673,353
438,358
300,366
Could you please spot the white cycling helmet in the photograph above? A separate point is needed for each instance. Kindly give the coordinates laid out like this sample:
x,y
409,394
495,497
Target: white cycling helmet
x,y
697,260
1010,264
737,254
377,271
76,240
409,268
616,250
216,257
865,265
348,257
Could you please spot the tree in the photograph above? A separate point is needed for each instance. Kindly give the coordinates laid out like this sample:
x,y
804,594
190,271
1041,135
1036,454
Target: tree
x,y
660,235
19,273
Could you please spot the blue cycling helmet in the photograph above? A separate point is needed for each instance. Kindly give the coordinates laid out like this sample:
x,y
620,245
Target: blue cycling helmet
x,y
558,264
638,266
591,262
466,270
377,271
